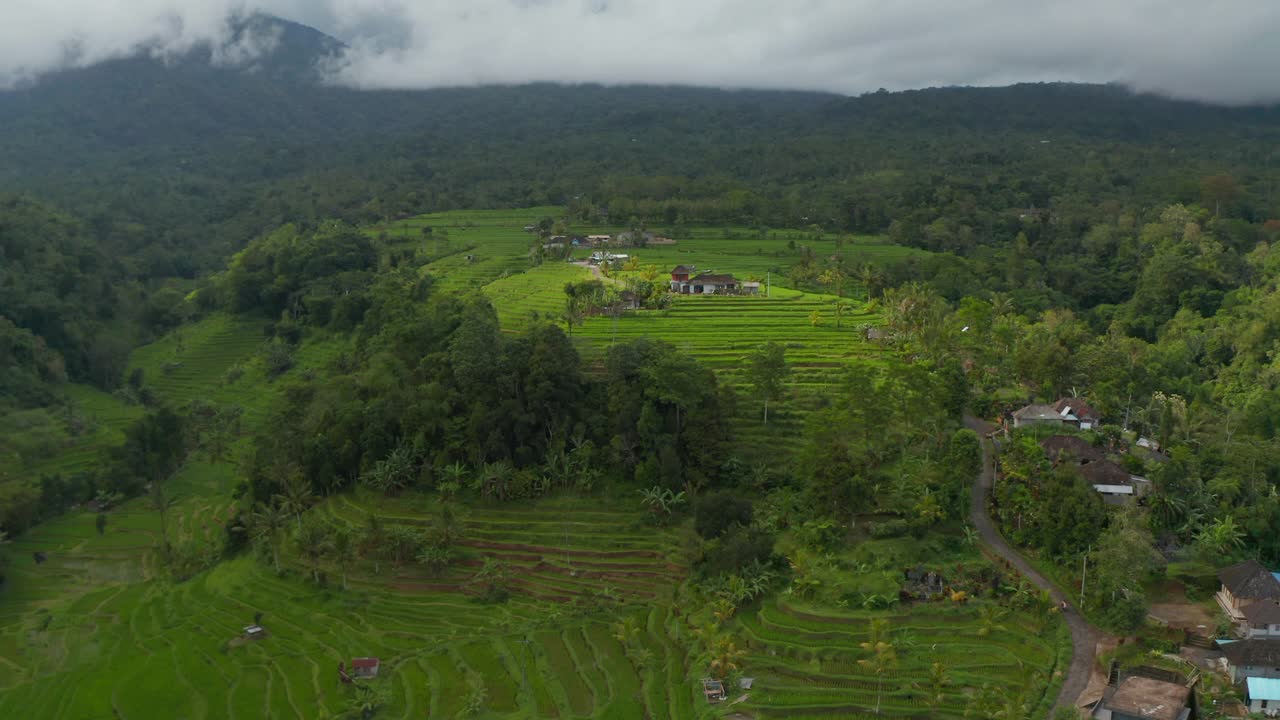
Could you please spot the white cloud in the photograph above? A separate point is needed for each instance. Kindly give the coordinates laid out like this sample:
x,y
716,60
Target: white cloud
x,y
1213,51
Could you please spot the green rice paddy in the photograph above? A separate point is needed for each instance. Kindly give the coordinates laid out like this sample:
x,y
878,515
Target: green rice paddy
x,y
99,630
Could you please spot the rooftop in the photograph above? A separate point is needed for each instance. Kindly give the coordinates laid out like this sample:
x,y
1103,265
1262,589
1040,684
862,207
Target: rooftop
x,y
1250,581
1263,688
1077,407
1078,448
1252,652
1262,612
1037,412
1147,698
715,279
1105,472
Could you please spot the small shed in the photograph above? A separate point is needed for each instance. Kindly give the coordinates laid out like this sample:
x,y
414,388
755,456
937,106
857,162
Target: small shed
x,y
713,689
365,667
254,632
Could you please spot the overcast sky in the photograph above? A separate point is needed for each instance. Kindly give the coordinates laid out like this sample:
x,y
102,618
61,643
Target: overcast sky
x,y
1224,51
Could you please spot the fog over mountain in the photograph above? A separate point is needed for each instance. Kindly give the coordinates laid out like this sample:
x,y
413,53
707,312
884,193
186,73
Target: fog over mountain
x,y
1190,50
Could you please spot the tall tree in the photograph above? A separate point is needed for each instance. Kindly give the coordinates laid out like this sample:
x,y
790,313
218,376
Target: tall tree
x,y
767,371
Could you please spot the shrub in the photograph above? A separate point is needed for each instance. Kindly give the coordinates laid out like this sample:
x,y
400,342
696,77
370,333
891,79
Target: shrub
x,y
890,529
737,549
714,515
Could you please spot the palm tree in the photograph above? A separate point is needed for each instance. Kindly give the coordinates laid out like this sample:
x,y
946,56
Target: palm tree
x,y
456,473
725,656
162,503
938,682
495,479
295,497
265,523
344,553
989,617
313,543
871,278
884,658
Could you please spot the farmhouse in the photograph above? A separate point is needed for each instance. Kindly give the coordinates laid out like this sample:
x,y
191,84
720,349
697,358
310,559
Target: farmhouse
x,y
1071,412
684,281
602,256
1142,698
597,240
365,667
1036,415
1255,657
1113,482
1077,413
1250,596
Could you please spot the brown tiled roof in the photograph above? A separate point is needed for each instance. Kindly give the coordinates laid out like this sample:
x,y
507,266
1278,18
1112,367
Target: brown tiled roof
x,y
1146,698
1253,652
1105,472
368,662
1250,581
1070,446
1262,612
682,270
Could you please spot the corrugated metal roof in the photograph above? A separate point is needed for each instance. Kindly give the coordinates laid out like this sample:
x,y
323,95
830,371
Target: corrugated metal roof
x,y
1264,688
1114,489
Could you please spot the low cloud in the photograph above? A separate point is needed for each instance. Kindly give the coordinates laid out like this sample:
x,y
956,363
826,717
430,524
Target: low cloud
x,y
1217,52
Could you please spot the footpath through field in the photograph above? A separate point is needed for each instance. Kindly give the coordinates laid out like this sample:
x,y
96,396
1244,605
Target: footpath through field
x,y
1084,637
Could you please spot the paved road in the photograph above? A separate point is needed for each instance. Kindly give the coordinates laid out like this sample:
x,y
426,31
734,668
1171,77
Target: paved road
x,y
1084,638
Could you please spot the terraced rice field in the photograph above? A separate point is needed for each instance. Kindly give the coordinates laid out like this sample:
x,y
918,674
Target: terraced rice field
x,y
105,417
806,661
722,331
216,360
113,646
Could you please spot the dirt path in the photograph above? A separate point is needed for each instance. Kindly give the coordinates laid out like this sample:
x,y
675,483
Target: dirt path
x,y
595,271
1084,637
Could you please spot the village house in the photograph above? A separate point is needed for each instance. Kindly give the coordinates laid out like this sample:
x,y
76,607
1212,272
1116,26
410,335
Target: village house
x,y
1255,657
365,667
1143,698
1250,596
1116,485
1077,413
1036,415
600,256
1263,696
1069,412
684,282
597,240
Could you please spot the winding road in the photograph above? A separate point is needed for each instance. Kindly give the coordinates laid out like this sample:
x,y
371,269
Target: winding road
x,y
1084,637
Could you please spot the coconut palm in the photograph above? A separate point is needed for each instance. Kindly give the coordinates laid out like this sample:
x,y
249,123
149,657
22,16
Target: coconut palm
x,y
343,550
295,497
883,658
265,523
725,656
313,543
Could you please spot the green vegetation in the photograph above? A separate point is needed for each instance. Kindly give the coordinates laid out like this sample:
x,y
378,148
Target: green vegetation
x,y
260,389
